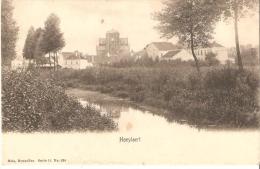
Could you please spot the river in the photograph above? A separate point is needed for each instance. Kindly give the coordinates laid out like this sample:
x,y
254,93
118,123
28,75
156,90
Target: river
x,y
157,140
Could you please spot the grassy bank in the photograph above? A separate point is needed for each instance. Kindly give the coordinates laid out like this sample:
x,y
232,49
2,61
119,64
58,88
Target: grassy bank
x,y
30,103
222,97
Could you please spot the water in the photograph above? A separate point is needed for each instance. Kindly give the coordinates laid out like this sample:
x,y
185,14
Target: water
x,y
160,141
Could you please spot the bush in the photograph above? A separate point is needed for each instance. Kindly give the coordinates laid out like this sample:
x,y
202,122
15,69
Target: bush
x,y
211,59
31,104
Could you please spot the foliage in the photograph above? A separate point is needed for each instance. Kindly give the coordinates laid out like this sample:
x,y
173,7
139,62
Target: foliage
x,y
31,104
191,21
38,51
32,47
29,45
211,59
236,9
243,7
9,32
222,97
53,39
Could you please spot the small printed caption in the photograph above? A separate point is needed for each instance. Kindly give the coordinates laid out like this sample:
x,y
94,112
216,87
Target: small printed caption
x,y
29,160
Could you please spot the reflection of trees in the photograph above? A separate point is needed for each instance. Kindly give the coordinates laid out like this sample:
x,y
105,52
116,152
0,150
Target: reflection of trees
x,y
111,109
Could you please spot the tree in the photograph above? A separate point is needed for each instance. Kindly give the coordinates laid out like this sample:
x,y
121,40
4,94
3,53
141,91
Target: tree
x,y
191,21
211,59
38,51
236,9
9,33
29,45
52,39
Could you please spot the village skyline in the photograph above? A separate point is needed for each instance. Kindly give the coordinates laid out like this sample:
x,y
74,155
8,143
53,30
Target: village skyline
x,y
101,16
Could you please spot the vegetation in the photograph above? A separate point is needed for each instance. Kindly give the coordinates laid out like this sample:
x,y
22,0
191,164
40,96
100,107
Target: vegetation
x,y
31,104
221,97
32,47
236,9
52,39
9,32
211,59
29,45
191,21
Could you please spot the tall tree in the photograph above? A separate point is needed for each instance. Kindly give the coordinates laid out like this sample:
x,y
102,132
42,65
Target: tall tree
x,y
38,51
192,21
29,45
235,9
52,40
9,33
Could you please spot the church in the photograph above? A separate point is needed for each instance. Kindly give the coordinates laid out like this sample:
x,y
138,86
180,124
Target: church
x,y
112,48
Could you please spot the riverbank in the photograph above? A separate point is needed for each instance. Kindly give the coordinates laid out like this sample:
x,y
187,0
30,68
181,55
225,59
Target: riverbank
x,y
222,98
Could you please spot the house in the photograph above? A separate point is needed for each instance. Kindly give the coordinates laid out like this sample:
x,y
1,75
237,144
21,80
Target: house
x,y
74,60
158,49
220,51
180,54
112,48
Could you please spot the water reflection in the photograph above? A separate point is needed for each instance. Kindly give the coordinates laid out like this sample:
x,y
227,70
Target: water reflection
x,y
107,109
130,118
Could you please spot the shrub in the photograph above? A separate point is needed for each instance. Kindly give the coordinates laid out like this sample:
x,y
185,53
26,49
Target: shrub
x,y
211,59
31,104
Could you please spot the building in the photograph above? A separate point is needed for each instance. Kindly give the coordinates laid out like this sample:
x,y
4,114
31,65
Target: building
x,y
179,54
74,60
249,54
220,51
168,51
112,48
158,49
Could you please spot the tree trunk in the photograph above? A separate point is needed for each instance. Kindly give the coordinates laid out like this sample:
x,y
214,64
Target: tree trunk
x,y
239,59
57,61
50,58
194,55
192,41
54,61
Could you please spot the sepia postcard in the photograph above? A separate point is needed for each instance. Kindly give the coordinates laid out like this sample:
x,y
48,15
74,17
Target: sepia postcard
x,y
145,82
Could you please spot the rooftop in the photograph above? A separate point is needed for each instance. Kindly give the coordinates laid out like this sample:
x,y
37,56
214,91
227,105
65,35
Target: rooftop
x,y
164,46
214,44
171,53
71,55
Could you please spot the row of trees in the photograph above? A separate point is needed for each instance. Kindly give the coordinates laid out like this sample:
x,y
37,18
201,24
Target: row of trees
x,y
193,21
9,33
40,42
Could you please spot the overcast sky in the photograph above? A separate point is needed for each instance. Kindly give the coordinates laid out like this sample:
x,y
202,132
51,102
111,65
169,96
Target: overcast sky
x,y
81,22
